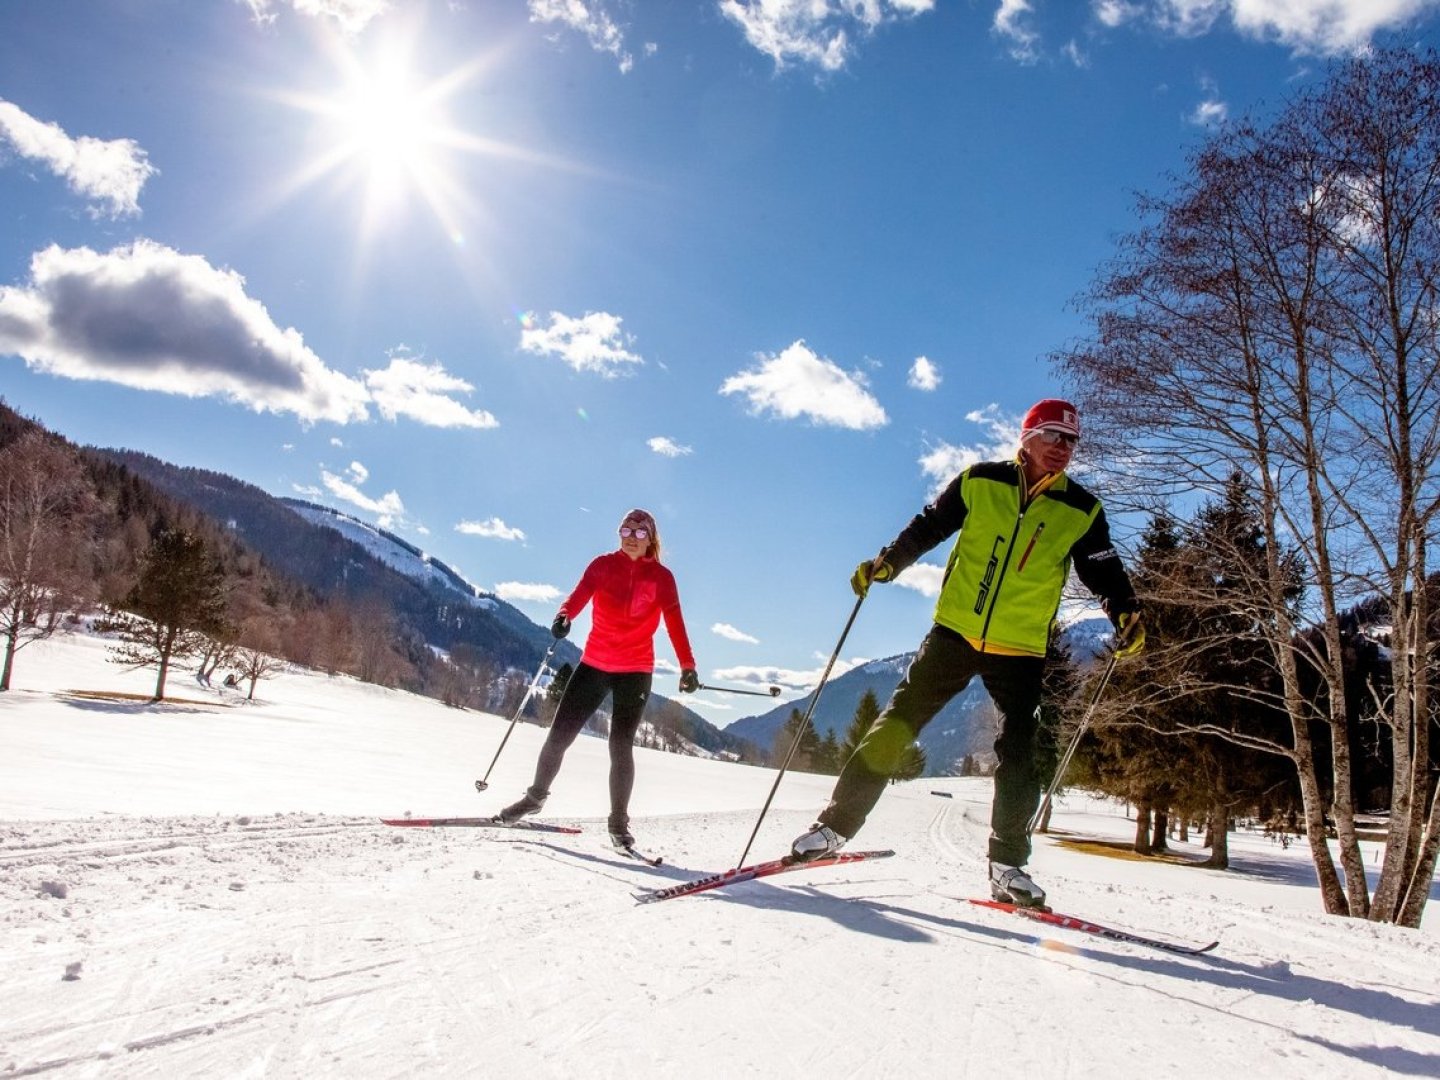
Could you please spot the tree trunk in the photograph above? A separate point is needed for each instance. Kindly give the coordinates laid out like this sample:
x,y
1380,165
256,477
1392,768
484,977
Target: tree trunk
x,y
166,648
1220,833
1142,828
1412,904
9,655
1160,836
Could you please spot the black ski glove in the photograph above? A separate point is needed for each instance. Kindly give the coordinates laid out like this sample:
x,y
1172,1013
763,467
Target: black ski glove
x,y
561,626
689,681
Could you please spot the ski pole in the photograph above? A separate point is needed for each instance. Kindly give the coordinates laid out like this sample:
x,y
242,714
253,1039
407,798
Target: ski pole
x,y
800,731
774,691
1074,744
484,782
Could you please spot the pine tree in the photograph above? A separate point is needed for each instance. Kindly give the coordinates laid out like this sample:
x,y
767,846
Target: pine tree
x,y
803,758
176,605
866,713
912,764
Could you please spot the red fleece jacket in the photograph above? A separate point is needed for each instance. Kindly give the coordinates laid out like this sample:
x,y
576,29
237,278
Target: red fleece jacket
x,y
630,597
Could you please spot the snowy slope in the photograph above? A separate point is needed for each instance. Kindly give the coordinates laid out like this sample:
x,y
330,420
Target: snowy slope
x,y
392,551
202,890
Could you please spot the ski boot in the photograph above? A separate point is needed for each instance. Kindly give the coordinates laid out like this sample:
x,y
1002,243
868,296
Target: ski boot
x,y
1012,885
620,835
820,842
532,802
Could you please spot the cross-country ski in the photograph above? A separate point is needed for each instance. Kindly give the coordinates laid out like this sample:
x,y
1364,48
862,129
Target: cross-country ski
x,y
1071,922
750,873
478,823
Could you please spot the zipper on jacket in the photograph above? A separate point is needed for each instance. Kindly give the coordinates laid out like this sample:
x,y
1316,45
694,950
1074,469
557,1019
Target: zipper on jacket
x,y
1000,579
1025,499
1029,547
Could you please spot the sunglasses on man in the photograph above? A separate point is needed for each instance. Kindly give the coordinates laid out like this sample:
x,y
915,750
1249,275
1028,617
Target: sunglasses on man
x,y
1050,437
638,534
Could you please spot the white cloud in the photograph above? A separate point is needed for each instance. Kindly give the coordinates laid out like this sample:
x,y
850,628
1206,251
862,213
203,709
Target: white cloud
x,y
110,172
1187,18
944,461
593,342
1320,27
1113,13
148,317
526,592
1324,27
924,578
924,374
492,529
351,15
730,633
389,510
420,391
359,473
1012,22
590,18
799,383
795,679
814,32
668,447
1211,111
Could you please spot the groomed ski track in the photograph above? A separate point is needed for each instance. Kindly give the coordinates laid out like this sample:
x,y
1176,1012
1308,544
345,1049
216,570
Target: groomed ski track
x,y
311,945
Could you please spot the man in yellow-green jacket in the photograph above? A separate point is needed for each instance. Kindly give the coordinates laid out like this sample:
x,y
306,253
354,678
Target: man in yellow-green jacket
x,y
1021,525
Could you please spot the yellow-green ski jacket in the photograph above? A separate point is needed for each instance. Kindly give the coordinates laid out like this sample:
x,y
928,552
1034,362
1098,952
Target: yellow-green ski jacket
x,y
1013,554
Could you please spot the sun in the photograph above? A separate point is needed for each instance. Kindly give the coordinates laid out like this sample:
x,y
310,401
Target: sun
x,y
381,133
387,135
392,130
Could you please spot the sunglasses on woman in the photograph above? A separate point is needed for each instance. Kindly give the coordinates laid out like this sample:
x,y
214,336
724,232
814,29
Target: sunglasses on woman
x,y
638,534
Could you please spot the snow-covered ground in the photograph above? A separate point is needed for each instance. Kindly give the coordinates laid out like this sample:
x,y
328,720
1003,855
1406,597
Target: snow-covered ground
x,y
202,889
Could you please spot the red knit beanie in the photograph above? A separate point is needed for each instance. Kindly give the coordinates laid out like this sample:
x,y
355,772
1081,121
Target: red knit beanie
x,y
1052,414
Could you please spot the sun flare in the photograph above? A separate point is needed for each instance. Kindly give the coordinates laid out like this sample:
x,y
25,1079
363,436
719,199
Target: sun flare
x,y
383,131
393,139
392,130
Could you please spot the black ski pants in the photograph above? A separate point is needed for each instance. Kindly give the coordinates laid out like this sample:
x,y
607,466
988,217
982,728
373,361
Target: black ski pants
x,y
943,666
628,690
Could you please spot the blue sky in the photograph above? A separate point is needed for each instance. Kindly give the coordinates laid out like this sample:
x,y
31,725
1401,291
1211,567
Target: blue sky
x,y
492,272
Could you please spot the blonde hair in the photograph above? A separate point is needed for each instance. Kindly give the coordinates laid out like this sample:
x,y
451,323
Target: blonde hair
x,y
646,519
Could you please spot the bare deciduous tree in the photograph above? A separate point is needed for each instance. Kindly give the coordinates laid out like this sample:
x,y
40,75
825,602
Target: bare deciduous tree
x,y
47,506
1277,316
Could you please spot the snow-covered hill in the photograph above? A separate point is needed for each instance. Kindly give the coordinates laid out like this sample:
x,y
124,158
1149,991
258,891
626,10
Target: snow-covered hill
x,y
202,889
392,551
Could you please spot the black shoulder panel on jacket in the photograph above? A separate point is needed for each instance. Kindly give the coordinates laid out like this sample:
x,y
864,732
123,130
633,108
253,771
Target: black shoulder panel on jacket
x,y
1073,495
1004,472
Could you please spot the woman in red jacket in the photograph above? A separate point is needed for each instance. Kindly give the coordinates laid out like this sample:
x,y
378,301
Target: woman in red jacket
x,y
632,592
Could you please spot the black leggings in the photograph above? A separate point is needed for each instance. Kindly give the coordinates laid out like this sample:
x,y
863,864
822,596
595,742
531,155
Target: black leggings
x,y
628,690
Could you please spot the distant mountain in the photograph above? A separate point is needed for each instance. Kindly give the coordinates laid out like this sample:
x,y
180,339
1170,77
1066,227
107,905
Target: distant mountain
x,y
965,726
338,555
